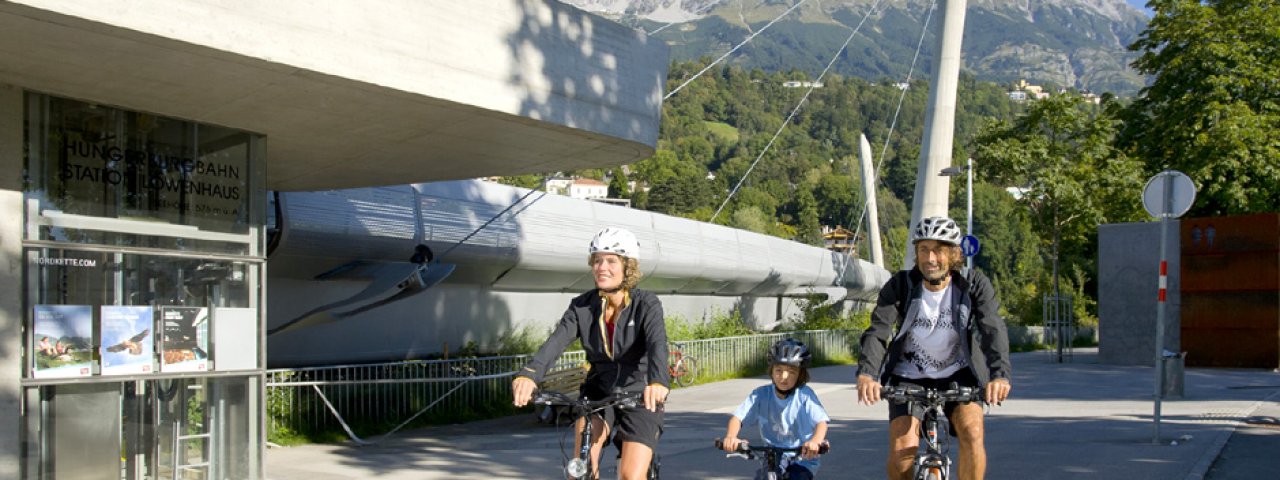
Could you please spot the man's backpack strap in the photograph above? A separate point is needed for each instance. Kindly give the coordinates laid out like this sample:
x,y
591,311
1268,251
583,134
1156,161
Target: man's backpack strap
x,y
904,297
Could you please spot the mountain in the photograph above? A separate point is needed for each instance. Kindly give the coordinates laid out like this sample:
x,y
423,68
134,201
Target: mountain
x,y
1068,43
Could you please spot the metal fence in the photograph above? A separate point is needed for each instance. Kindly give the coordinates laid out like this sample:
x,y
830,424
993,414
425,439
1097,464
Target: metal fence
x,y
387,396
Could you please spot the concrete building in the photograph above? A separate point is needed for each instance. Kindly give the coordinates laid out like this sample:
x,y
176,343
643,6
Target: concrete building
x,y
588,189
138,143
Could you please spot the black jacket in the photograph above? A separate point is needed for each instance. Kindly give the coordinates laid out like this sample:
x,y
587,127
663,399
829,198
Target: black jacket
x,y
637,357
977,311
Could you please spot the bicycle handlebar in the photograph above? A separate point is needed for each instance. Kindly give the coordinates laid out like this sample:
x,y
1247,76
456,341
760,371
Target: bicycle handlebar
x,y
930,396
747,450
626,400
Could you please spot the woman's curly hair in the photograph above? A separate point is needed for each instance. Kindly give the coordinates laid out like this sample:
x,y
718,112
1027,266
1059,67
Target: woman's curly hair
x,y
630,272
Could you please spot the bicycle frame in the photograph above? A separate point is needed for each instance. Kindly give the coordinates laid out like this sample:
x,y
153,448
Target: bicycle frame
x,y
583,466
682,368
932,463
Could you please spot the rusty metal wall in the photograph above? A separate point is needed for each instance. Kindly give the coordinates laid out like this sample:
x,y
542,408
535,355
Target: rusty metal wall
x,y
1231,291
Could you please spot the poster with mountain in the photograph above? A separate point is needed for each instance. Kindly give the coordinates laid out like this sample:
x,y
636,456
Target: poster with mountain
x,y
127,342
62,342
184,339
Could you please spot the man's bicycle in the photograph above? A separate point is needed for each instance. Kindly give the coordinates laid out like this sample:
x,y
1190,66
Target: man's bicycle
x,y
773,460
683,367
932,462
581,466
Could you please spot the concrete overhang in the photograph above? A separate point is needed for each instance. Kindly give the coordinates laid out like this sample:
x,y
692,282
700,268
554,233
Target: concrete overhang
x,y
353,93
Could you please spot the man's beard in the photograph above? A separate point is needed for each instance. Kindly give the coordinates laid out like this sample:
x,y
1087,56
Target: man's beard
x,y
937,277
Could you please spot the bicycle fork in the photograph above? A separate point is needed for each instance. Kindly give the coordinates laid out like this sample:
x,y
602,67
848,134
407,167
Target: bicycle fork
x,y
934,464
580,467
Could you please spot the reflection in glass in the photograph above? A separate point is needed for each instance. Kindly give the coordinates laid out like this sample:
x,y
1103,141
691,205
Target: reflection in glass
x,y
102,175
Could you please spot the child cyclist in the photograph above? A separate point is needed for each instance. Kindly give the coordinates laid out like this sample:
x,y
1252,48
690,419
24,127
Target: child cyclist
x,y
788,411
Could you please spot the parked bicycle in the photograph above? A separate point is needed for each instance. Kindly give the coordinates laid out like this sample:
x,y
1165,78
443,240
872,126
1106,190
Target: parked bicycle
x,y
773,460
581,466
932,461
683,367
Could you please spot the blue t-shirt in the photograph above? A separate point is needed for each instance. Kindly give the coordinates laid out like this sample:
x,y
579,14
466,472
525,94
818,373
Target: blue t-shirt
x,y
784,422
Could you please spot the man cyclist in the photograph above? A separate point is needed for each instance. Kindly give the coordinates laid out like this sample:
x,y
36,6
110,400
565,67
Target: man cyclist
x,y
625,339
933,325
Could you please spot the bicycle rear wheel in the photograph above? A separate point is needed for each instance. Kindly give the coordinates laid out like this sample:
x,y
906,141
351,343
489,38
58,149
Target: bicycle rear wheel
x,y
686,371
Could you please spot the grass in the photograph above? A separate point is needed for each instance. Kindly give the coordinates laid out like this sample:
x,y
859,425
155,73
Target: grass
x,y
723,131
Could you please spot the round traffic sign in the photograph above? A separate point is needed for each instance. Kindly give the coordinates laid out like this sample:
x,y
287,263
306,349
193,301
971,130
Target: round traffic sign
x,y
969,245
1168,194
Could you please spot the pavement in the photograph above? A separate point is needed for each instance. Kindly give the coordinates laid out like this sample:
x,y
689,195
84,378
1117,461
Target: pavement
x,y
1073,420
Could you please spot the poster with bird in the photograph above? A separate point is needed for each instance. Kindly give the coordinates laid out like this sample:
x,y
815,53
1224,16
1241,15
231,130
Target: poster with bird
x,y
127,343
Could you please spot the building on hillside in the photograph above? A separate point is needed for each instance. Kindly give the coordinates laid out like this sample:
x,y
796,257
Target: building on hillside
x,y
1023,91
588,189
559,185
840,239
141,144
802,84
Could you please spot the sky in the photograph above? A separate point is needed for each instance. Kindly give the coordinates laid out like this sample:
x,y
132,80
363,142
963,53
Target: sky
x,y
1140,5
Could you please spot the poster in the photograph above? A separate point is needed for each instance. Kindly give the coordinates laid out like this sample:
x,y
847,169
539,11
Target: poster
x,y
127,342
63,341
184,341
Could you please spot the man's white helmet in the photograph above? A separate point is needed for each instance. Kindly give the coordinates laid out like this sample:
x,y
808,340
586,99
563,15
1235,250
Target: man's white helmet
x,y
942,229
616,240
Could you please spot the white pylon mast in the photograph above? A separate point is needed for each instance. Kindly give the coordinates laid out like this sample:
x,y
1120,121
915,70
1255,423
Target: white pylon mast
x,y
935,153
873,211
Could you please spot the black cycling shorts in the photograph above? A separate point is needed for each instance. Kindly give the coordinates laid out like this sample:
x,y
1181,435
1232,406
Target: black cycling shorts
x,y
963,378
630,425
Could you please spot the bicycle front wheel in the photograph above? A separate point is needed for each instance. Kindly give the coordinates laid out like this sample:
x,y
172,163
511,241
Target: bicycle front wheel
x,y
686,371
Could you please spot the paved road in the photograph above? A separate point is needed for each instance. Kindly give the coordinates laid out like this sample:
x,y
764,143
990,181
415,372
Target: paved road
x,y
1077,420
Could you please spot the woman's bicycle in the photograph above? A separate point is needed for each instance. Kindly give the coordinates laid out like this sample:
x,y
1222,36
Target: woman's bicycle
x,y
683,367
932,462
581,466
773,460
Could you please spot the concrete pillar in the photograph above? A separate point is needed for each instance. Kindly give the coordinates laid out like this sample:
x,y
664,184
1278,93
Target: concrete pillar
x,y
10,278
873,210
935,154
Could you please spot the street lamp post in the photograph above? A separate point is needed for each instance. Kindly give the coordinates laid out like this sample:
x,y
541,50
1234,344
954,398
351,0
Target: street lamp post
x,y
968,225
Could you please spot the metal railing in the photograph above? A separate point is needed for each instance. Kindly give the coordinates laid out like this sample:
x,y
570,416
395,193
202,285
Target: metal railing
x,y
386,396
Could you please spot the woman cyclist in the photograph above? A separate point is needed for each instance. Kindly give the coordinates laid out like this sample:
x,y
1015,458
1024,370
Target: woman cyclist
x,y
625,340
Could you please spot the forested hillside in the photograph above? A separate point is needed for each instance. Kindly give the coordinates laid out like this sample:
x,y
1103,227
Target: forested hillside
x,y
1212,111
715,127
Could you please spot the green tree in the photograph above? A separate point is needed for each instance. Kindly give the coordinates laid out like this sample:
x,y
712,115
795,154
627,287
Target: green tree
x,y
532,182
1072,179
807,228
680,195
751,218
618,184
664,165
1010,255
1213,107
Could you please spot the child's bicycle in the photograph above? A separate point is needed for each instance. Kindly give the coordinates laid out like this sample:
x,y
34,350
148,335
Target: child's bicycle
x,y
772,464
932,462
683,367
580,467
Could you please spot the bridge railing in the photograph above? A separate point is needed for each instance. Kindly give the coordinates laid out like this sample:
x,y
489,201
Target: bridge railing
x,y
385,397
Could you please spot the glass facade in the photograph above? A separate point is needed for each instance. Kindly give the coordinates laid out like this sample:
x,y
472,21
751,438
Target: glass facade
x,y
143,289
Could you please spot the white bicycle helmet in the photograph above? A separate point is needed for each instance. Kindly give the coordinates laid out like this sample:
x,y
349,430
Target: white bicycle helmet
x,y
615,240
942,229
